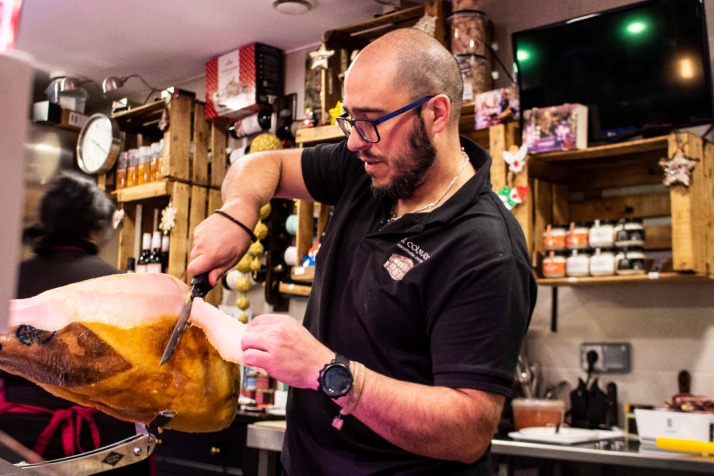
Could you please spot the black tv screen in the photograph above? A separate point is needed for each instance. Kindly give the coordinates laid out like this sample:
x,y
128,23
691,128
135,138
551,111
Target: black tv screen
x,y
641,67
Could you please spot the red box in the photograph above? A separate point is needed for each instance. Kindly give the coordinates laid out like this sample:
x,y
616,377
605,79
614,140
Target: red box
x,y
243,82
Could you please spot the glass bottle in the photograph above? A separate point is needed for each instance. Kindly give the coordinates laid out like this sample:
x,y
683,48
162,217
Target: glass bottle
x,y
144,163
142,265
250,125
165,243
153,264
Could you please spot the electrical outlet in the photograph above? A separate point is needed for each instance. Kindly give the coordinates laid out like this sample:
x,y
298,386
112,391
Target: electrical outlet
x,y
612,357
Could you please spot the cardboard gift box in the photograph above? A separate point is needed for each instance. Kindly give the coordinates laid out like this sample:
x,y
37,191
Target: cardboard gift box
x,y
554,128
243,82
499,106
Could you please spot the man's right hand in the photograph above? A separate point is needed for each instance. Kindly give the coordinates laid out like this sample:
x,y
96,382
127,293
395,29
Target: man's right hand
x,y
218,244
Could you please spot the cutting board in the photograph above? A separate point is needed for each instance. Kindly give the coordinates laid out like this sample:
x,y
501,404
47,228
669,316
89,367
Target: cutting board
x,y
566,436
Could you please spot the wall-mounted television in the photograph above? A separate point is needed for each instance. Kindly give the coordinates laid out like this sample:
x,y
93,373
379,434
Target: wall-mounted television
x,y
640,69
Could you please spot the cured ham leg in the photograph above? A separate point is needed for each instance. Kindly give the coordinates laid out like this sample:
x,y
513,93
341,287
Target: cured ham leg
x,y
99,343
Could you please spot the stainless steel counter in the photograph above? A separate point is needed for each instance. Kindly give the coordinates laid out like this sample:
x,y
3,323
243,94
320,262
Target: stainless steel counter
x,y
268,436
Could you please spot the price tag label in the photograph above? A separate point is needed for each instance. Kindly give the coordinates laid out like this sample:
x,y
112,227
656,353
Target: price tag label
x,y
298,271
572,280
653,275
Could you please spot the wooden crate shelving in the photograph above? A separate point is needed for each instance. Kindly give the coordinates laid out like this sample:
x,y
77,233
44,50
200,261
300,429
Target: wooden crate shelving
x,y
187,129
192,202
624,181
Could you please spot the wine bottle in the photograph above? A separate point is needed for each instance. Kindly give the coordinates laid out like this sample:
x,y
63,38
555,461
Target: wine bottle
x,y
130,265
154,262
142,265
165,242
250,125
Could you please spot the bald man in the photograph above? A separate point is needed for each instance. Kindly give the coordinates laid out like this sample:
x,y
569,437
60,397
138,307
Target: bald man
x,y
423,289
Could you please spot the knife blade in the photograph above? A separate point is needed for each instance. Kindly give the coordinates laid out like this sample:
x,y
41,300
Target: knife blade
x,y
199,288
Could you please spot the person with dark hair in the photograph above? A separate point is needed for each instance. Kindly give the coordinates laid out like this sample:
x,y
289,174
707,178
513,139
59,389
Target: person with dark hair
x,y
75,220
423,287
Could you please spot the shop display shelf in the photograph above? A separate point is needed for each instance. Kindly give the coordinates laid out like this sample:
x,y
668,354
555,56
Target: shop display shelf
x,y
617,181
302,274
161,188
293,289
316,135
658,144
670,277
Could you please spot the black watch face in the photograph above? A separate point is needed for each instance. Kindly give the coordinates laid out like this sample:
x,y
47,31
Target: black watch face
x,y
338,380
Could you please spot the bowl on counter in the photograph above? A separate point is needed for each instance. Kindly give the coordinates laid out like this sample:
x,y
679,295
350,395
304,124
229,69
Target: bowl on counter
x,y
533,412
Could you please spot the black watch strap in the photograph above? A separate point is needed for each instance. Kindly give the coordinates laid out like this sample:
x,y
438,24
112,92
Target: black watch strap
x,y
341,359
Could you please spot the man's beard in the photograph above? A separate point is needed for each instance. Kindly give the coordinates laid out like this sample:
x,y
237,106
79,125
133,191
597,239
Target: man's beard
x,y
411,167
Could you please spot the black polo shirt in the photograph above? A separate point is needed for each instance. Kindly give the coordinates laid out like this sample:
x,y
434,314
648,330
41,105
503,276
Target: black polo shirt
x,y
441,298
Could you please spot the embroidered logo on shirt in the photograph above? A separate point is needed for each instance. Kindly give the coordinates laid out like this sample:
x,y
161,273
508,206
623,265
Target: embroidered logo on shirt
x,y
398,266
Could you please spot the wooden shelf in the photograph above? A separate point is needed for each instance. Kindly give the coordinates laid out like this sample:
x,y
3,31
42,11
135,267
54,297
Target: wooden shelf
x,y
606,151
604,280
162,188
303,274
294,289
138,116
319,134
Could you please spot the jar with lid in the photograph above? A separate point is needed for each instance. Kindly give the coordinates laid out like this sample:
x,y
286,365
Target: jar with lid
x,y
578,263
602,262
577,235
160,161
122,164
602,234
154,164
131,169
554,264
629,232
554,237
630,260
142,170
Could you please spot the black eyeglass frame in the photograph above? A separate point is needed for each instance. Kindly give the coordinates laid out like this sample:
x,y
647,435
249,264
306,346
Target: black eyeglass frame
x,y
341,120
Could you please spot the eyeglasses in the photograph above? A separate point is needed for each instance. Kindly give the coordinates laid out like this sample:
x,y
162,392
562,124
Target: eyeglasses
x,y
367,128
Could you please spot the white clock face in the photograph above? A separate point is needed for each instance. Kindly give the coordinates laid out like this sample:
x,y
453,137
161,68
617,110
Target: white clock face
x,y
96,144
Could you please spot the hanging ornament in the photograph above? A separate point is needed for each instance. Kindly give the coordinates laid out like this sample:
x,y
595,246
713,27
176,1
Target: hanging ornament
x,y
516,158
678,169
336,112
250,263
118,217
320,57
168,218
513,196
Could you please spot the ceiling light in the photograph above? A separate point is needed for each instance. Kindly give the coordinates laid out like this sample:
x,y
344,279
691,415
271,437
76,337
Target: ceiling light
x,y
292,7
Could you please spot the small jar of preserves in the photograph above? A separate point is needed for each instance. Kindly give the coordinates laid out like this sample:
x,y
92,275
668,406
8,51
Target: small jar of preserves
x,y
122,164
154,164
602,262
144,163
554,237
131,170
630,260
578,263
629,232
577,236
554,264
602,234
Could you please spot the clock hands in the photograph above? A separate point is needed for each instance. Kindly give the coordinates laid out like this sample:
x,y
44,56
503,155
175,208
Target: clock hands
x,y
99,146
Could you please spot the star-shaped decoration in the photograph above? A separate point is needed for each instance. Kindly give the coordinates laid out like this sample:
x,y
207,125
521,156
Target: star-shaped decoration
x,y
678,169
168,218
319,58
336,112
117,218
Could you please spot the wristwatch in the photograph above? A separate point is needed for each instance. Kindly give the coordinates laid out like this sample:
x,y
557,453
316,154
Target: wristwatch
x,y
335,378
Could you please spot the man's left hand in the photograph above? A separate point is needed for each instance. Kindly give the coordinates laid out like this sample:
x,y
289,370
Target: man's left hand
x,y
286,350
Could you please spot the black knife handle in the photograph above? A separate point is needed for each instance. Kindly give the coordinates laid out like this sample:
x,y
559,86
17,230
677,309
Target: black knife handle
x,y
200,285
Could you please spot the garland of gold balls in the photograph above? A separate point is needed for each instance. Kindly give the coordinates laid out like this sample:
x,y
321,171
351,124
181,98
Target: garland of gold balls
x,y
250,263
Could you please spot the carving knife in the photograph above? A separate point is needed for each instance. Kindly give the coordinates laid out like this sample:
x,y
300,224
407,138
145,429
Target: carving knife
x,y
199,288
